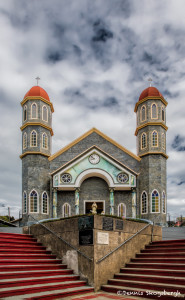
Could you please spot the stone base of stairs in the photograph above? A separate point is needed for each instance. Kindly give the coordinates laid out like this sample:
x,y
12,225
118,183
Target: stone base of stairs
x,y
158,272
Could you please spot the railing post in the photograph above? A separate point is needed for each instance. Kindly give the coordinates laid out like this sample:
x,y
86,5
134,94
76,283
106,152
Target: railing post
x,y
152,232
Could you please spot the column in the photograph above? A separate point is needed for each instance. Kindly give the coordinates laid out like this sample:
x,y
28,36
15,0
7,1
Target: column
x,y
54,203
77,201
111,201
133,203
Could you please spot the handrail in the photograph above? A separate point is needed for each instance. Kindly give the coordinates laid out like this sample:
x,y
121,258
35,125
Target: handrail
x,y
101,259
60,238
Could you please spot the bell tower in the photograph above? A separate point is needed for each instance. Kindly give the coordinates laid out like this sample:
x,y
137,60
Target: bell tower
x,y
36,148
151,148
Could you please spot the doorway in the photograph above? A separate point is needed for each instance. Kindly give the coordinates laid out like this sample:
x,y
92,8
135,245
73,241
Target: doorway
x,y
88,206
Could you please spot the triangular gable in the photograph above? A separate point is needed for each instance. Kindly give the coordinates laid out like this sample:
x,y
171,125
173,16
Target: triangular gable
x,y
87,134
71,175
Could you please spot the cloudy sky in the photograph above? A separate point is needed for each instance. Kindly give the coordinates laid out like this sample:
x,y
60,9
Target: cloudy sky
x,y
94,59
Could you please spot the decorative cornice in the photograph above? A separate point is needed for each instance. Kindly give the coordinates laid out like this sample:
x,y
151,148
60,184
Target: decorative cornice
x,y
34,153
150,98
88,150
36,124
87,134
160,153
38,98
151,124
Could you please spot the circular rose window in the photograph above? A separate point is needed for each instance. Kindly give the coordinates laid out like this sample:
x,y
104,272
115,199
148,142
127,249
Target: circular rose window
x,y
65,178
122,177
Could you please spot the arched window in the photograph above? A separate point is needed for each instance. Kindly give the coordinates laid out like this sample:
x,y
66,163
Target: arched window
x,y
144,203
143,113
122,210
45,203
25,140
66,210
33,202
155,201
154,111
44,113
163,141
143,140
154,139
34,111
164,202
44,141
163,114
33,139
25,113
24,203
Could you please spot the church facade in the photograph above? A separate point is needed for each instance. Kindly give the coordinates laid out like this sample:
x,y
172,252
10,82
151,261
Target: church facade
x,y
94,168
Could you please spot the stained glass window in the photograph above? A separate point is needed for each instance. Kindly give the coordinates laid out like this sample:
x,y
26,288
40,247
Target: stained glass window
x,y
164,202
33,140
45,141
143,141
154,111
66,210
33,202
24,203
44,113
143,113
24,140
122,210
155,201
154,139
144,203
25,113
34,111
44,203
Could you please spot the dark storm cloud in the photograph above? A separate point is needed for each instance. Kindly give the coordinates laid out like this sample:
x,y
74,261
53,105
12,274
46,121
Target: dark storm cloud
x,y
179,143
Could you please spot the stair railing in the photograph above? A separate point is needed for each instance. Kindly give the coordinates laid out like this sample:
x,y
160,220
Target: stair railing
x,y
61,239
126,241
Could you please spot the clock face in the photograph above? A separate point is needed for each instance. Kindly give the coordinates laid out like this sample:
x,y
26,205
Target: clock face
x,y
94,159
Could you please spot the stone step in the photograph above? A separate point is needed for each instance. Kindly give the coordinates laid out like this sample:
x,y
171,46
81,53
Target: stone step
x,y
31,261
32,267
27,256
35,273
143,293
176,260
29,289
170,266
161,255
155,272
163,250
54,294
148,285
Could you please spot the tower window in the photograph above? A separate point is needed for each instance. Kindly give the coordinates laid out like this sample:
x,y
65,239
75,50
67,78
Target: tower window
x,y
163,141
154,139
25,113
44,203
24,203
122,210
44,113
143,140
164,202
45,141
163,114
66,210
144,203
33,202
143,113
154,111
34,111
25,140
155,201
33,139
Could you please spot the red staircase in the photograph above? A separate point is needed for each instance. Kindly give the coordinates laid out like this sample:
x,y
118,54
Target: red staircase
x,y
158,272
29,271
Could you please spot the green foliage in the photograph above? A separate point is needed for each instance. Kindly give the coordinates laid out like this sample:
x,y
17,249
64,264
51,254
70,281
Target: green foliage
x,y
7,219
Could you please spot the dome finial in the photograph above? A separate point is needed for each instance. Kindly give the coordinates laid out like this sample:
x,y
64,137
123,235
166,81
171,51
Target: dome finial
x,y
37,78
150,80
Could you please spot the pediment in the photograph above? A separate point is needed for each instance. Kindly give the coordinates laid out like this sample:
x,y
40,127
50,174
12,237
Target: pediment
x,y
94,163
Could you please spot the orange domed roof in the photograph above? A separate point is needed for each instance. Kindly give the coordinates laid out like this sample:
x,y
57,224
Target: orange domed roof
x,y
37,91
150,92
